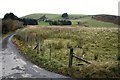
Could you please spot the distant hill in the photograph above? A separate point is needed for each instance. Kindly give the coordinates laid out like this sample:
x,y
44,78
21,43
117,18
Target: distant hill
x,y
107,18
87,20
52,16
37,16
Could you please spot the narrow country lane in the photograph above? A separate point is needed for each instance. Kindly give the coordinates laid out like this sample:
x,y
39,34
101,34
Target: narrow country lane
x,y
13,65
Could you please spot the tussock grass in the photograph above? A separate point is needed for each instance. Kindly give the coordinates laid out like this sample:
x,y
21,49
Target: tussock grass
x,y
97,45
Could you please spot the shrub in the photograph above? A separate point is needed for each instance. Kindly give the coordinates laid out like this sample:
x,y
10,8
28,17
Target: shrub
x,y
60,22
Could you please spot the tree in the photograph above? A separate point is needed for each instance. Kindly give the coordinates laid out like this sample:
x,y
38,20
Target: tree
x,y
10,25
10,22
65,15
10,16
29,21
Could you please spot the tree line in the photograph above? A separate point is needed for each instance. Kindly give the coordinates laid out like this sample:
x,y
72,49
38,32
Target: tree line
x,y
60,22
64,21
11,22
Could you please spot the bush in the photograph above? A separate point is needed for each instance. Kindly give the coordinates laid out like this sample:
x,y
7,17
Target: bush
x,y
60,22
10,22
29,21
65,15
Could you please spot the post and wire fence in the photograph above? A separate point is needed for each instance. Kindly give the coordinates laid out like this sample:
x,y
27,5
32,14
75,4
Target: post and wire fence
x,y
70,56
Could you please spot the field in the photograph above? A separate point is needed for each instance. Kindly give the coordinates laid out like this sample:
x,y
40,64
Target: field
x,y
52,16
85,20
42,23
89,22
97,45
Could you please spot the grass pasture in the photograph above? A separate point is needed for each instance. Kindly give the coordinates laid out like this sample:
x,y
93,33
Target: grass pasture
x,y
42,23
89,22
52,16
100,47
86,20
37,16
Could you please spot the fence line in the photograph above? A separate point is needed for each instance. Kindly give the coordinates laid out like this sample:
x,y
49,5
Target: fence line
x,y
71,54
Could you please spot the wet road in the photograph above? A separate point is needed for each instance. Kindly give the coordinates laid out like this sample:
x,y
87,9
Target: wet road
x,y
13,65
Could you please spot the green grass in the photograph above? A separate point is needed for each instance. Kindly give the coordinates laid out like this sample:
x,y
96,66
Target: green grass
x,y
99,44
37,16
84,19
42,23
89,22
52,16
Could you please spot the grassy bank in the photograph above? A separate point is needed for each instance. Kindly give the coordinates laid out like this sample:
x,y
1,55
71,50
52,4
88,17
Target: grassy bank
x,y
97,45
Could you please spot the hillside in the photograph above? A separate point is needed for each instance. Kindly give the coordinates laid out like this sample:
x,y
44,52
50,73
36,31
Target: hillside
x,y
52,16
107,18
86,20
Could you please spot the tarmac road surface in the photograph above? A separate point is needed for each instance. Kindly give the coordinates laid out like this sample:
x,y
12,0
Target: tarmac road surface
x,y
14,65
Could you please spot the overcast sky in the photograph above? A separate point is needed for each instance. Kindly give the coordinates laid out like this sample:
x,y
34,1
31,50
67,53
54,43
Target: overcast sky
x,y
24,7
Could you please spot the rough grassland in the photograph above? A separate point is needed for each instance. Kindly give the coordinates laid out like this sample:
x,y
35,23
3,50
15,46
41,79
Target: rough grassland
x,y
97,45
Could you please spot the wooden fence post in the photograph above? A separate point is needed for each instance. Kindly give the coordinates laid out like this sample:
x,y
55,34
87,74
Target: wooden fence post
x,y
38,47
26,37
70,57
